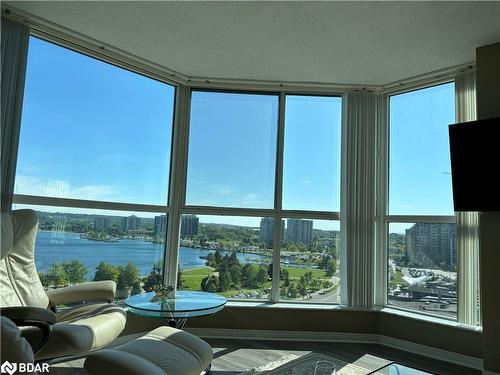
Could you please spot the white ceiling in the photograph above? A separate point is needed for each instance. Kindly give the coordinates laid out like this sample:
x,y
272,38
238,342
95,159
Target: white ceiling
x,y
371,43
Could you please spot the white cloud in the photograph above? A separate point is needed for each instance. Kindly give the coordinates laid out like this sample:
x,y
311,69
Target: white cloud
x,y
30,185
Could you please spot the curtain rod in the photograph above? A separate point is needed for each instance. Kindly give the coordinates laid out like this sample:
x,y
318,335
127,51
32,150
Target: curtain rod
x,y
425,78
96,48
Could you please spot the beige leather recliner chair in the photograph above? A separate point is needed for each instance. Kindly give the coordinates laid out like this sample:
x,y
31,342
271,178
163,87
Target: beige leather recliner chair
x,y
77,330
164,351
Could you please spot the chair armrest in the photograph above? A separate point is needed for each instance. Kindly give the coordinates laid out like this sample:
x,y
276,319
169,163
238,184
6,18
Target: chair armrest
x,y
23,316
85,292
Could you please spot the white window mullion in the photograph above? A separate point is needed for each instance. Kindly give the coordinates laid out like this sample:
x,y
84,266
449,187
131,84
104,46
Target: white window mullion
x,y
177,185
85,203
278,200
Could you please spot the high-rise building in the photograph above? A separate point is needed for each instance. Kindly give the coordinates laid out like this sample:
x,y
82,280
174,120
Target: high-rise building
x,y
266,232
102,222
189,225
431,245
131,223
160,225
299,230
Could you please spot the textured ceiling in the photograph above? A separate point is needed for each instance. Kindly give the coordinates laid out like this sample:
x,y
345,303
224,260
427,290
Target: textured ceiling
x,y
371,43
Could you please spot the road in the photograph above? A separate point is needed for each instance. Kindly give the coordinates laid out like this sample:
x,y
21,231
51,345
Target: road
x,y
328,297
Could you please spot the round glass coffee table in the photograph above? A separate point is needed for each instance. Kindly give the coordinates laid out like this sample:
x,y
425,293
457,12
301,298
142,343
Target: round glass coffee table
x,y
186,304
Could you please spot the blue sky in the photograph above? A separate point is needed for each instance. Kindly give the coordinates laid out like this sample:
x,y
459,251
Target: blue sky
x,y
232,150
419,166
311,160
94,131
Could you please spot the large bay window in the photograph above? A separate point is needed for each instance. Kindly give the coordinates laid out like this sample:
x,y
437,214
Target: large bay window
x,y
422,250
250,210
262,194
94,161
239,192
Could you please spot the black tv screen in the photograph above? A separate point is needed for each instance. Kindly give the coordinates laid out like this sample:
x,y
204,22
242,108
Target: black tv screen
x,y
475,165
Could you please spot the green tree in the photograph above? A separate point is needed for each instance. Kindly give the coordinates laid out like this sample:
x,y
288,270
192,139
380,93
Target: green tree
x,y
179,278
105,271
249,275
262,275
76,271
211,260
136,288
224,282
130,274
233,259
44,279
270,271
302,286
209,283
57,275
217,257
315,284
323,262
224,277
330,268
235,274
292,290
152,280
308,277
286,278
121,284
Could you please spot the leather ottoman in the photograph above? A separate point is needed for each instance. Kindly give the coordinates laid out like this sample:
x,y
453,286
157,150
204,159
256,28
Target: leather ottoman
x,y
163,351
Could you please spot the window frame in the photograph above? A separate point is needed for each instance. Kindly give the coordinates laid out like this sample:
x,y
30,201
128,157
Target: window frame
x,y
187,125
167,209
384,218
176,207
176,200
277,213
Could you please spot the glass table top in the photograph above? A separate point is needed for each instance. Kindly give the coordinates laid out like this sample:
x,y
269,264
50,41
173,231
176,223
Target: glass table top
x,y
186,304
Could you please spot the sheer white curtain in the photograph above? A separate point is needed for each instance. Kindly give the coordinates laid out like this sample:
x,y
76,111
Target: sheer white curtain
x,y
360,214
467,222
14,56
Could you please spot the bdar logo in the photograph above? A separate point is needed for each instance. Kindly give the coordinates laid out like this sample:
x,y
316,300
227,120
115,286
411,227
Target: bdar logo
x,y
8,368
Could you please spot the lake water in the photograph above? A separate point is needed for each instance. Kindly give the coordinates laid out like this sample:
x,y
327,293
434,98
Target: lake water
x,y
52,247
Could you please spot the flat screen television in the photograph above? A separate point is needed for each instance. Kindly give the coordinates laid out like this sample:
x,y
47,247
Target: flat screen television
x,y
475,165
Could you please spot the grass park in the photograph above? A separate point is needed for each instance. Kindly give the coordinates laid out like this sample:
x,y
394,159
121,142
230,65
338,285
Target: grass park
x,y
191,278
